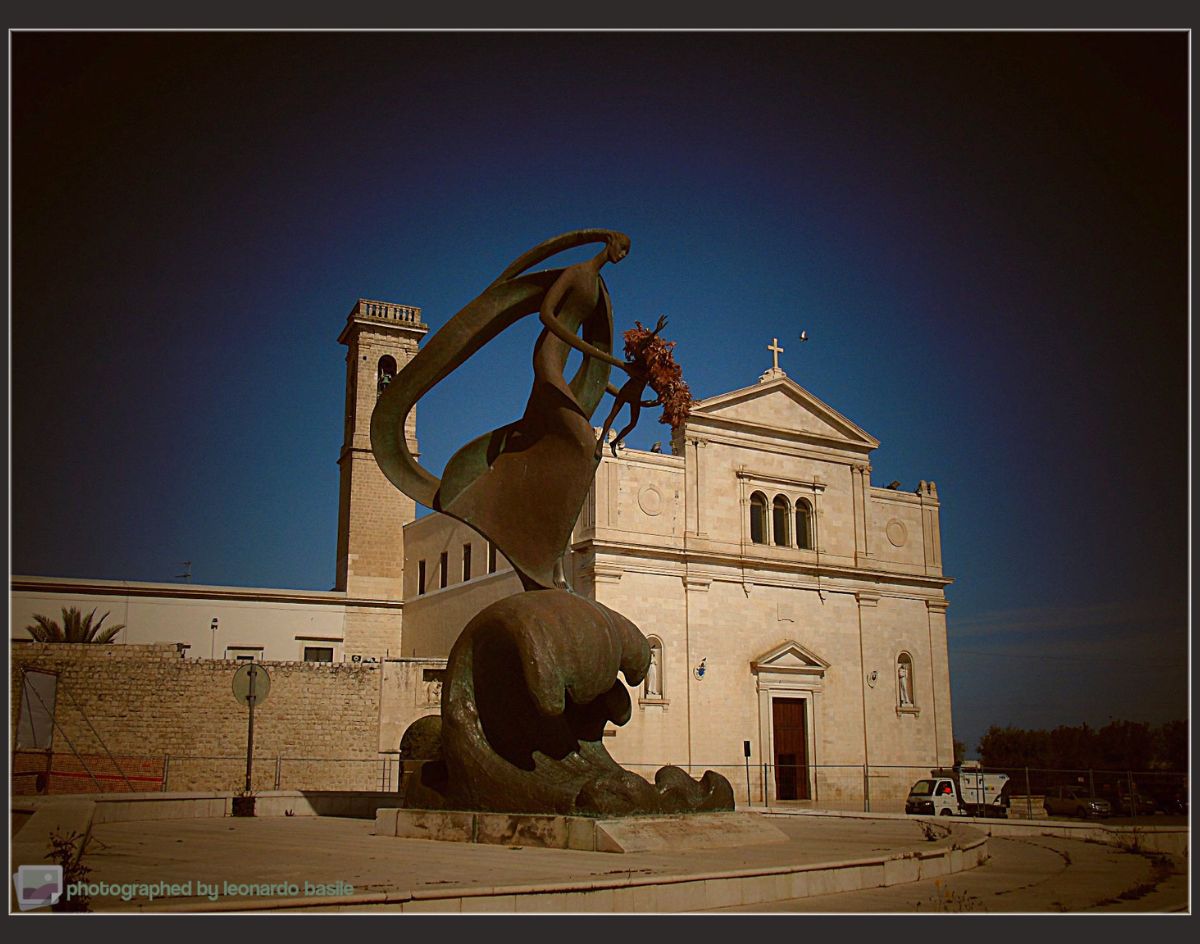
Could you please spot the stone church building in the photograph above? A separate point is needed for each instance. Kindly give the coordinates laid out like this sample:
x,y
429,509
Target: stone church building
x,y
796,612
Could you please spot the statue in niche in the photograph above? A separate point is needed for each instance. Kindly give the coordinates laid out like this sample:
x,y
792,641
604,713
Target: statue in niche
x,y
532,681
652,689
902,672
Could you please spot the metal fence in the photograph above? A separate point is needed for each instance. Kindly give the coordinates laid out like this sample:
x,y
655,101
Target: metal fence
x,y
49,772
884,787
848,787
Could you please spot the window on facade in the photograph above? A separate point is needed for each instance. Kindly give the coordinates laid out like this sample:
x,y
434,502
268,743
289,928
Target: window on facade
x,y
443,569
384,373
318,653
781,514
420,577
491,558
904,681
466,562
243,653
803,524
758,518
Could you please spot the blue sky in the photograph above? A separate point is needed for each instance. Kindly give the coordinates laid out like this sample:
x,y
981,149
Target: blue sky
x,y
984,235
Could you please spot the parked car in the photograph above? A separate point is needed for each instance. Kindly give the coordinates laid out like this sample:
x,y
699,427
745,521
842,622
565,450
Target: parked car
x,y
1126,806
1172,802
1076,801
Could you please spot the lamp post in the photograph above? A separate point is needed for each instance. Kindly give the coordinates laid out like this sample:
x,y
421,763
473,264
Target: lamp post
x,y
212,654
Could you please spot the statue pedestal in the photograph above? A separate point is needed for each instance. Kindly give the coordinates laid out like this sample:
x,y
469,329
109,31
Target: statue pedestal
x,y
548,831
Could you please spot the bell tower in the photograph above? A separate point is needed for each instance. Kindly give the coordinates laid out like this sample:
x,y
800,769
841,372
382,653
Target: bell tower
x,y
380,337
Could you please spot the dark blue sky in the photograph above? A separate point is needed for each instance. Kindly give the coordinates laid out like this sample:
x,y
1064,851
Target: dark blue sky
x,y
984,234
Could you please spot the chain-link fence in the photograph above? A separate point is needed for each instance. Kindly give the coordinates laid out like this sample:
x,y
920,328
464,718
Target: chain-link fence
x,y
1029,792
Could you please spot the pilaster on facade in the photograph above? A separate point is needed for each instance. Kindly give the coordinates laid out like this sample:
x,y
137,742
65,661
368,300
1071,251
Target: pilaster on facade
x,y
931,526
694,518
860,482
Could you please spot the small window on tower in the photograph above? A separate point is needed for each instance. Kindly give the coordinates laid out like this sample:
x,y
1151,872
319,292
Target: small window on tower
x,y
443,567
420,577
386,372
466,562
491,558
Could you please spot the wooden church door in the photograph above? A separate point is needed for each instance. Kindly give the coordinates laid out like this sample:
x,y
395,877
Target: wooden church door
x,y
791,749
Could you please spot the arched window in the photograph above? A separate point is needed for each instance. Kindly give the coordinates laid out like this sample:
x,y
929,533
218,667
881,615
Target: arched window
x,y
781,513
904,681
804,536
653,686
385,373
758,518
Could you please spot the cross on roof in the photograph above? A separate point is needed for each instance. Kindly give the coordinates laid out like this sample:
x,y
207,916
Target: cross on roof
x,y
776,351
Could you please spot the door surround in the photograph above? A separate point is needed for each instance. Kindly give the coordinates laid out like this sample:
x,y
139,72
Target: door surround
x,y
789,671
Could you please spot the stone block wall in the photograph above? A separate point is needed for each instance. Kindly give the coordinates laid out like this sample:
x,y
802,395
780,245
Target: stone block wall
x,y
318,728
373,632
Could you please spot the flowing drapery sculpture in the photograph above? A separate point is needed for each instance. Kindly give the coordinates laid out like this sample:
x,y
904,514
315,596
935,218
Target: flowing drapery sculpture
x,y
532,680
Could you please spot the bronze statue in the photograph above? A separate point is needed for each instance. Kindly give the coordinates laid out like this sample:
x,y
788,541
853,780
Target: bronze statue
x,y
532,680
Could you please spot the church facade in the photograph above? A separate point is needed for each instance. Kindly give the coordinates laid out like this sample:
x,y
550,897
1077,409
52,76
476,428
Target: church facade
x,y
796,612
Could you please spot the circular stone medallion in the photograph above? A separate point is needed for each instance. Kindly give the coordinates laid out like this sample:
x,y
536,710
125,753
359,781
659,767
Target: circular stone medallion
x,y
650,501
896,532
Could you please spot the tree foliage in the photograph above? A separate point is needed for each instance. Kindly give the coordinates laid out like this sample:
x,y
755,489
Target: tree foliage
x,y
1119,745
75,627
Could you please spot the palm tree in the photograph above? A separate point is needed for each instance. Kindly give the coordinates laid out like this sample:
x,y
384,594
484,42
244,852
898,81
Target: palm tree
x,y
75,628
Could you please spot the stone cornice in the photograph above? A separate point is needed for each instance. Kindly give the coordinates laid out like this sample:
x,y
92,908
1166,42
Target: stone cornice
x,y
762,438
898,497
658,460
752,475
685,557
129,588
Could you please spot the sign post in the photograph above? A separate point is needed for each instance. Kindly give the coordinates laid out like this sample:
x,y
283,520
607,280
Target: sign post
x,y
251,684
746,751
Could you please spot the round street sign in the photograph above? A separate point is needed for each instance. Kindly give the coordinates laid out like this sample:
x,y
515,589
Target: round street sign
x,y
241,683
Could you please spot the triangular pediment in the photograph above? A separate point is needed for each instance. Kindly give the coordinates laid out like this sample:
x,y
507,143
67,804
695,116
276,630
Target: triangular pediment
x,y
783,406
790,657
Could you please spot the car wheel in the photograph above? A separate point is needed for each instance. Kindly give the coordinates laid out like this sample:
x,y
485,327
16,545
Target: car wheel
x,y
946,813
1081,812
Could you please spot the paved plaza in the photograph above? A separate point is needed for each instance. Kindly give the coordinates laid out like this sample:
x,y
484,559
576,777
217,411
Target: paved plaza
x,y
310,861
